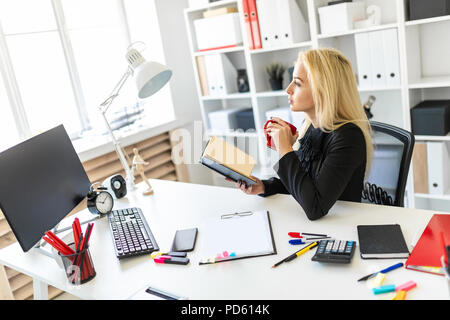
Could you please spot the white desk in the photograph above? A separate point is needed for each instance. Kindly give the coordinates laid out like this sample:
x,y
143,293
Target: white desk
x,y
177,205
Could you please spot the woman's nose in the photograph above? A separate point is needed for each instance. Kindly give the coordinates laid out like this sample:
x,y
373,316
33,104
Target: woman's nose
x,y
288,89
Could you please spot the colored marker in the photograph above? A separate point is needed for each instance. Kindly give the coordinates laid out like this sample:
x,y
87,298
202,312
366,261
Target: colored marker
x,y
401,295
406,286
171,260
384,289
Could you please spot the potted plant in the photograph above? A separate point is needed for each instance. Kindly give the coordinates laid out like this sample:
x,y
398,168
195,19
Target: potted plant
x,y
275,70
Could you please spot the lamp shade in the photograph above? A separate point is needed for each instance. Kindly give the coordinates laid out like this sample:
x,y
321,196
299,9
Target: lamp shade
x,y
149,76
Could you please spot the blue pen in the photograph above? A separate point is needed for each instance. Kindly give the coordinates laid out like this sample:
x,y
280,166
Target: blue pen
x,y
296,241
395,266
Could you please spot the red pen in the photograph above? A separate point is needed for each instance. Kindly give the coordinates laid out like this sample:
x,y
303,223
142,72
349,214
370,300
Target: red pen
x,y
52,236
295,234
57,246
76,236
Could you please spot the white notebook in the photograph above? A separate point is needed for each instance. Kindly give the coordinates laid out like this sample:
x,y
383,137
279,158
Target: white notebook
x,y
247,234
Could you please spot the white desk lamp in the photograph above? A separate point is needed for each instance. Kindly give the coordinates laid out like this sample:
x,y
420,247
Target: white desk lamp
x,y
150,77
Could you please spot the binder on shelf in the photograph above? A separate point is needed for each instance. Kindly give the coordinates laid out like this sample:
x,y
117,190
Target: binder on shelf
x,y
267,24
248,26
377,60
221,75
391,57
419,159
202,75
254,22
292,27
438,155
363,60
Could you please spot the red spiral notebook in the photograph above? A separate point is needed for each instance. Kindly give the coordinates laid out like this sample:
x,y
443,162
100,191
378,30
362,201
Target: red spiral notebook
x,y
426,255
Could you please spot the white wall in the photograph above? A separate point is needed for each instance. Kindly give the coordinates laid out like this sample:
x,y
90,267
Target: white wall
x,y
184,95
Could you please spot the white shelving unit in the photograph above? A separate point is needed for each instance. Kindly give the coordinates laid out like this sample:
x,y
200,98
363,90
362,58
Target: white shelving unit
x,y
425,74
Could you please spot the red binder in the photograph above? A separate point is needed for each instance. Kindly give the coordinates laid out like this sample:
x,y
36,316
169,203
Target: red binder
x,y
248,26
255,24
426,255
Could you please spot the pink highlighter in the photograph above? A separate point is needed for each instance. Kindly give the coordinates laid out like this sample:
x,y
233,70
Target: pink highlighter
x,y
269,138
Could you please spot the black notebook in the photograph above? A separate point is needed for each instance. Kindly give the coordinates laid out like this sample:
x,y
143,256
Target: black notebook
x,y
382,242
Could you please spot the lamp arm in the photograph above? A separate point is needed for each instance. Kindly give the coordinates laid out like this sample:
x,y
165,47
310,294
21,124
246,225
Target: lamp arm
x,y
104,106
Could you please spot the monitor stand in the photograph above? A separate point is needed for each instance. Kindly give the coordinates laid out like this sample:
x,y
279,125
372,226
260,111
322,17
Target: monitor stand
x,y
39,247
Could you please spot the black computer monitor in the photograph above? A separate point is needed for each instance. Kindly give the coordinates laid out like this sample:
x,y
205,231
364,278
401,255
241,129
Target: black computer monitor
x,y
41,181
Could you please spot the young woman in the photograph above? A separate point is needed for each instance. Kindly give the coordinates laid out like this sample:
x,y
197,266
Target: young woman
x,y
335,145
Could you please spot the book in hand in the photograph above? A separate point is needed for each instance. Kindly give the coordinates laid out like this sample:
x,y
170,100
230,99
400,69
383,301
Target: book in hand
x,y
382,242
228,160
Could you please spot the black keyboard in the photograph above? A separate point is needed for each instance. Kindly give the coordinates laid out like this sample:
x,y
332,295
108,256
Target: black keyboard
x,y
131,234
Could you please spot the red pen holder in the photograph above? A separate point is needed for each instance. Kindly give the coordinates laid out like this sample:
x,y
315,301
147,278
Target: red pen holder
x,y
269,138
79,267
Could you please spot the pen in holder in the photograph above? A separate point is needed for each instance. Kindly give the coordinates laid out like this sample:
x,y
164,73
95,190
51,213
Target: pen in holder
x,y
78,266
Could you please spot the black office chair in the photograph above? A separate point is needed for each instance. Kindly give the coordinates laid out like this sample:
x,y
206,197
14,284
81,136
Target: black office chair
x,y
393,149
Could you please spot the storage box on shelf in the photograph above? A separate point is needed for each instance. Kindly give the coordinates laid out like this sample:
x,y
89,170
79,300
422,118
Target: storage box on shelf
x,y
354,17
340,17
420,9
210,35
431,117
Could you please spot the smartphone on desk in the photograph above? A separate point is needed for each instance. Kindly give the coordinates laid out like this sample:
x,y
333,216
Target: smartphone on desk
x,y
184,240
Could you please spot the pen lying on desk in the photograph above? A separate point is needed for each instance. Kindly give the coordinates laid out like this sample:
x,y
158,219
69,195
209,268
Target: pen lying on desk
x,y
395,266
296,254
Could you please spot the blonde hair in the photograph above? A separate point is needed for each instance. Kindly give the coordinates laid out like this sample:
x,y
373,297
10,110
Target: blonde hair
x,y
335,94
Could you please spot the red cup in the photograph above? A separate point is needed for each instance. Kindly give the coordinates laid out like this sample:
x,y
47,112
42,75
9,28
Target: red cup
x,y
269,138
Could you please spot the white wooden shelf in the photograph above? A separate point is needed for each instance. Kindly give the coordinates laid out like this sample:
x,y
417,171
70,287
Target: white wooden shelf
x,y
211,133
379,89
293,46
426,21
230,96
430,82
354,31
432,138
432,196
266,94
225,50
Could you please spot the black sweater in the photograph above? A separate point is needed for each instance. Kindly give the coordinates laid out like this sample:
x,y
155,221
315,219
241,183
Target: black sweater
x,y
327,167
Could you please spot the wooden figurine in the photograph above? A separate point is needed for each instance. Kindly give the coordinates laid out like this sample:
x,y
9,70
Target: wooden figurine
x,y
137,165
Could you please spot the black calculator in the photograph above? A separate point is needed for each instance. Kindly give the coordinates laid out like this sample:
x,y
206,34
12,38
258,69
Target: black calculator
x,y
335,251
